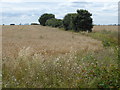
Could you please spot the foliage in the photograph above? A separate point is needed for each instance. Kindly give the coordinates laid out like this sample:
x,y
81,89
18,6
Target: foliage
x,y
108,38
45,17
54,22
83,21
68,21
80,21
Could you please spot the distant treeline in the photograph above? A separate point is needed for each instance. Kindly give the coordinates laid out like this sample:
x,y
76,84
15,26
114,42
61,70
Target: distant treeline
x,y
60,19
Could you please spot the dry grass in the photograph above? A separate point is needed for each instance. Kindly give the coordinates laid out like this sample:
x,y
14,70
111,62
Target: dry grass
x,y
44,57
105,27
44,40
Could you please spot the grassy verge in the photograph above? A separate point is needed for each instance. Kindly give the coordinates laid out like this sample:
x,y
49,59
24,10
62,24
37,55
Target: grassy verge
x,y
108,38
81,69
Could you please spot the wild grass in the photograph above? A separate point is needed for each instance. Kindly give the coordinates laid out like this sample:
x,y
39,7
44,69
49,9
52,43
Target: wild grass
x,y
108,38
74,70
81,68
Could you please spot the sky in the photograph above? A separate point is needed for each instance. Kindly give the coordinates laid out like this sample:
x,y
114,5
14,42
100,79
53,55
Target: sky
x,y
28,11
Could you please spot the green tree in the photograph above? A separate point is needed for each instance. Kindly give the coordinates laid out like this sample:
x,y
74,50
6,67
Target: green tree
x,y
45,17
83,21
54,22
68,21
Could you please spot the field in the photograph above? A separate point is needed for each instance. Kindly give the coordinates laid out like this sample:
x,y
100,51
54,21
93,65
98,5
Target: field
x,y
47,40
105,27
43,57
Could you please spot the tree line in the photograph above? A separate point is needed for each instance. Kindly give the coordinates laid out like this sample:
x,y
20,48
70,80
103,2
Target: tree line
x,y
80,21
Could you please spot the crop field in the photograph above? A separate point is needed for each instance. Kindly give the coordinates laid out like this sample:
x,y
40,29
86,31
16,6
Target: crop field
x,y
35,56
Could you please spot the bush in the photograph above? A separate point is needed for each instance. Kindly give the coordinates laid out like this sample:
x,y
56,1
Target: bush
x,y
12,24
54,22
45,17
35,24
68,21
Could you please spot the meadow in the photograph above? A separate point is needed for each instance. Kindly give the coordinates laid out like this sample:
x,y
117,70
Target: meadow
x,y
35,56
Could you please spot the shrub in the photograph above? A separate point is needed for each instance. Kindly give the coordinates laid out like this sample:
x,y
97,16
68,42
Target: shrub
x,y
12,24
45,17
68,21
54,22
35,24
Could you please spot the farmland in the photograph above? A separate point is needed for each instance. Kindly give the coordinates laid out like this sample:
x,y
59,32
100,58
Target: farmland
x,y
43,57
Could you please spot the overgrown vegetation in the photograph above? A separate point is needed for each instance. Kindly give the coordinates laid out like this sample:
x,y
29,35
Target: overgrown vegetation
x,y
91,71
108,38
79,69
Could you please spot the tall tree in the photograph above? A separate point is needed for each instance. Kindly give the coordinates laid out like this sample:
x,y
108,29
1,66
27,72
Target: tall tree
x,y
83,21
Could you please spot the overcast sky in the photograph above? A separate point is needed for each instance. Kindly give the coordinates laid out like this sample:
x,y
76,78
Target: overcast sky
x,y
28,11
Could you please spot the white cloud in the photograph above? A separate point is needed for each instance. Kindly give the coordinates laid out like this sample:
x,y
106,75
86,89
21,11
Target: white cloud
x,y
104,1
60,0
93,0
33,1
30,11
11,1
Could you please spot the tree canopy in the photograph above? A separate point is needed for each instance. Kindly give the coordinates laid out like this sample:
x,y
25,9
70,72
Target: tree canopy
x,y
54,22
80,21
45,17
68,21
83,21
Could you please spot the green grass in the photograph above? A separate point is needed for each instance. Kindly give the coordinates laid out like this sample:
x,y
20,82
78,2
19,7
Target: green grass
x,y
81,69
108,38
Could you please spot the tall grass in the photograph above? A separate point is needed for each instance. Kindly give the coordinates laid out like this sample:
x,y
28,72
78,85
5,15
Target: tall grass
x,y
79,69
68,71
108,38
